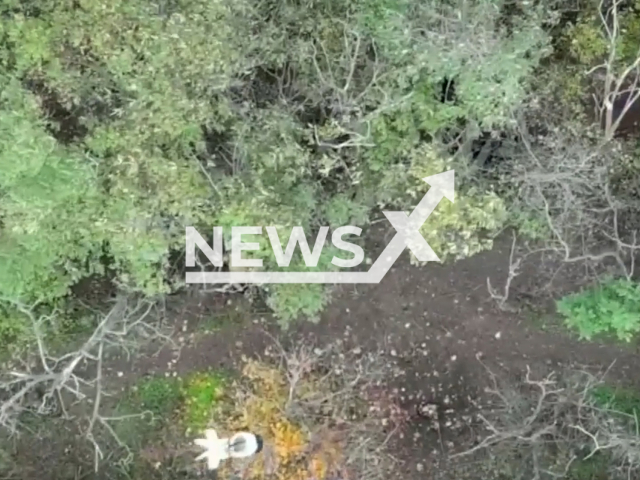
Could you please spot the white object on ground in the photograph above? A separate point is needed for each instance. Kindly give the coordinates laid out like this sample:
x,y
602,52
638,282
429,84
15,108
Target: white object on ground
x,y
240,445
244,445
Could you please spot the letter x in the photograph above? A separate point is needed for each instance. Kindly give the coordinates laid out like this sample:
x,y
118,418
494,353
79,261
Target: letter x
x,y
408,228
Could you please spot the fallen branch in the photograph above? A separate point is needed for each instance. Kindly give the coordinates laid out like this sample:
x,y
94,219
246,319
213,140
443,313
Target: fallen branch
x,y
59,380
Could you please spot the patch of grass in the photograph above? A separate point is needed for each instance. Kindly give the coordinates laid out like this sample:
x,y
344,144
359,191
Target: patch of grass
x,y
201,393
136,429
593,468
160,395
183,403
156,412
619,399
232,316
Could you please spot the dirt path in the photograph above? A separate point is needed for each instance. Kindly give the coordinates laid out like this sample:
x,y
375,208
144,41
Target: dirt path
x,y
436,321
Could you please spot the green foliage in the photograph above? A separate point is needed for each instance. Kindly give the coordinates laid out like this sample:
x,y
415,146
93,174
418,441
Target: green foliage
x,y
148,406
13,326
622,406
191,400
528,225
200,393
146,409
159,395
133,120
587,43
466,227
630,26
581,46
289,301
155,404
454,230
611,308
42,228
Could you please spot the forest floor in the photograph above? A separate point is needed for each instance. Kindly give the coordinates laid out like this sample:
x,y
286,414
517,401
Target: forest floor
x,y
437,323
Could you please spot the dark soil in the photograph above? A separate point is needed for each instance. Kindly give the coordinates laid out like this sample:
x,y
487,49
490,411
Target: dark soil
x,y
438,322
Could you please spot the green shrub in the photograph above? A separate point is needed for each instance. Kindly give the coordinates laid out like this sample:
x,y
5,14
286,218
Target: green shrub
x,y
132,120
454,230
14,326
610,308
588,42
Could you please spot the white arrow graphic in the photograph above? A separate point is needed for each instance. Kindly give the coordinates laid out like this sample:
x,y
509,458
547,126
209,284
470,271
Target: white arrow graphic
x,y
408,226
408,235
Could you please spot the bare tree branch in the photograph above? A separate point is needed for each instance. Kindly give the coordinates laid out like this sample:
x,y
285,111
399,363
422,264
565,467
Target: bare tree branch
x,y
553,416
77,376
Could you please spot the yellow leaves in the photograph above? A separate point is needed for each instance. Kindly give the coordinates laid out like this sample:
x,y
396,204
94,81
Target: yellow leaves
x,y
289,440
326,456
283,438
325,460
318,468
289,453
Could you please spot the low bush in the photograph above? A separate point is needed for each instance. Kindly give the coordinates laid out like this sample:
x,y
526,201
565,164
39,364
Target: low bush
x,y
611,308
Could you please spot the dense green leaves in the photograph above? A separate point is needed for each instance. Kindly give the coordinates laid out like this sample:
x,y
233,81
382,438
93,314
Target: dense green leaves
x,y
122,123
612,308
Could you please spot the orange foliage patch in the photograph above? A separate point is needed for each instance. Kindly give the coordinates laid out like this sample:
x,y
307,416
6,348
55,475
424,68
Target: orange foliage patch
x,y
289,453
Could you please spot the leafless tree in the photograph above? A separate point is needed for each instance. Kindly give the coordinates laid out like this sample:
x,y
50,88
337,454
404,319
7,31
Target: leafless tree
x,y
557,417
50,381
566,180
514,271
566,173
620,90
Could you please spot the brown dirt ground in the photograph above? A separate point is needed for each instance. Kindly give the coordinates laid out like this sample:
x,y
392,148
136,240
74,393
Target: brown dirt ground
x,y
436,321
